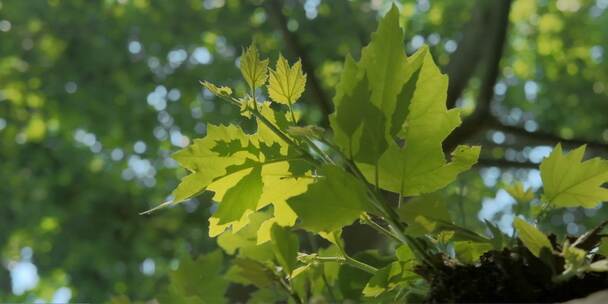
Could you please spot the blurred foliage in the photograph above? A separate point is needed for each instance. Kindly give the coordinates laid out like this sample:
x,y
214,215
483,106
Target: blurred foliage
x,y
95,96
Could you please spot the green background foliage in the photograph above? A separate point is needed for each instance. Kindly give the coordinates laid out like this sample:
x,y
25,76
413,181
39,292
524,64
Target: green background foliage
x,y
96,96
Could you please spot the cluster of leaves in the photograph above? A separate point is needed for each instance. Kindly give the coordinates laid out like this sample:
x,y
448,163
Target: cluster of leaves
x,y
383,163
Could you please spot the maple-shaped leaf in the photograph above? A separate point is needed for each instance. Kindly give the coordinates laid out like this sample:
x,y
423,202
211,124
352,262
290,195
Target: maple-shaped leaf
x,y
391,117
375,84
570,182
286,84
420,166
206,163
254,69
334,201
520,194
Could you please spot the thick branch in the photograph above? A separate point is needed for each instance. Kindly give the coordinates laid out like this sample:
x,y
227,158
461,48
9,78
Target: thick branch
x,y
482,111
291,40
464,61
545,137
503,163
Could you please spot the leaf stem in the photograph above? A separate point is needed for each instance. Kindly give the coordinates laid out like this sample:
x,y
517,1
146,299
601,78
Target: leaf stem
x,y
366,219
349,261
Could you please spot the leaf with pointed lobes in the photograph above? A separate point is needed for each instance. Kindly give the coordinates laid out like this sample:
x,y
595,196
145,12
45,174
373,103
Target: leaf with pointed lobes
x,y
286,84
220,91
254,70
570,182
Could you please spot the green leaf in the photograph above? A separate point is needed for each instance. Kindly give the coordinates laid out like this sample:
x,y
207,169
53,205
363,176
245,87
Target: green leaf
x,y
469,252
575,257
334,201
285,246
603,248
243,196
498,238
253,69
205,163
215,90
385,63
249,271
420,166
286,84
385,279
267,295
370,93
190,282
569,182
422,212
243,238
520,194
532,238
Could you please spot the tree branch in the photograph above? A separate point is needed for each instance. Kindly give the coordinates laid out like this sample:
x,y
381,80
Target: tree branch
x,y
274,9
478,119
464,62
503,163
545,137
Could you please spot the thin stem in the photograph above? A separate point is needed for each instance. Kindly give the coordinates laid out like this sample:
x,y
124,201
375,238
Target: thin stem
x,y
358,264
543,212
366,219
293,116
332,297
290,291
319,151
349,261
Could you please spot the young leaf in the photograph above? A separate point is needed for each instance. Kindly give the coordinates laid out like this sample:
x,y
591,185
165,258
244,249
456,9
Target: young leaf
x,y
520,194
253,69
286,84
469,252
336,200
190,283
285,246
570,182
215,90
532,238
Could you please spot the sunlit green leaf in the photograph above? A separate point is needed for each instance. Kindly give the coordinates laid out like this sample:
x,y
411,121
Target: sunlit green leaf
x,y
532,238
570,182
253,69
286,84
334,201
